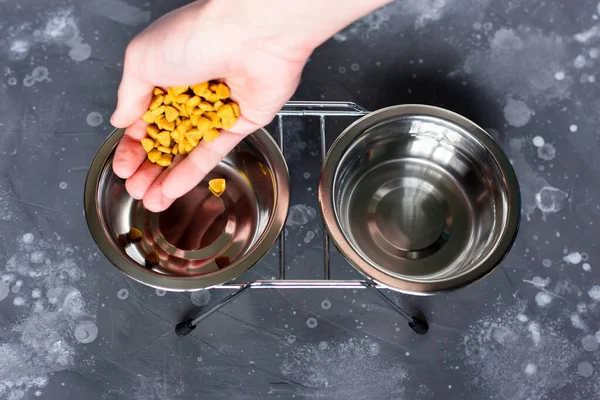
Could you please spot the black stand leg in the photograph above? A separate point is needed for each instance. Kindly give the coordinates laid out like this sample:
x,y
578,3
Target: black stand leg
x,y
418,325
186,327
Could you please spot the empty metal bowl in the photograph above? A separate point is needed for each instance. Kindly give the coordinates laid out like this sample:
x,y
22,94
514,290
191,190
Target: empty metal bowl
x,y
201,240
419,199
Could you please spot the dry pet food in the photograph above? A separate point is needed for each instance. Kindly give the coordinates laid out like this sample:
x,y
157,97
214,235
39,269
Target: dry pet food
x,y
183,116
217,186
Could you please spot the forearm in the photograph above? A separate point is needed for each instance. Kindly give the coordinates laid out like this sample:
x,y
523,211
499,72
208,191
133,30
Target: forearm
x,y
301,25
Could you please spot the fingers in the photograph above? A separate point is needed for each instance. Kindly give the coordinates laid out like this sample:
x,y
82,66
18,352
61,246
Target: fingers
x,y
192,169
139,183
130,154
133,97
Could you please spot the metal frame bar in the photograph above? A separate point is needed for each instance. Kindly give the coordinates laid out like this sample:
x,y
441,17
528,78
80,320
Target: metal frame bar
x,y
323,110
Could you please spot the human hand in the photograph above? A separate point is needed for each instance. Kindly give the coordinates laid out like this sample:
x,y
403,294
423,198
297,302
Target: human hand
x,y
257,47
194,44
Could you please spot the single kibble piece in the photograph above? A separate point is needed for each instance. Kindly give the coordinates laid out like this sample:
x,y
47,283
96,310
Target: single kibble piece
x,y
152,259
217,186
181,117
222,261
134,235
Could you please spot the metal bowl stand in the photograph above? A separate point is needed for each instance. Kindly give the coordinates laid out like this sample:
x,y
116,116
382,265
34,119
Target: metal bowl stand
x,y
323,110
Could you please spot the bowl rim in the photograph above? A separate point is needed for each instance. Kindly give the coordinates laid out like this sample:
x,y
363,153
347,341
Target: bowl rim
x,y
173,283
325,198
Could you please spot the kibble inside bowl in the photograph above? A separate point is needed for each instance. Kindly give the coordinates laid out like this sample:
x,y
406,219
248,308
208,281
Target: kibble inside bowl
x,y
208,237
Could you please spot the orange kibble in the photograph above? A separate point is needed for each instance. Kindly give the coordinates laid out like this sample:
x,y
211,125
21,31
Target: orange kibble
x,y
165,160
178,121
236,109
226,111
203,124
200,88
197,111
166,125
154,155
182,98
193,102
164,138
158,91
205,106
175,149
147,144
228,123
182,146
211,97
158,111
168,100
175,135
218,105
222,91
148,117
171,113
152,131
210,135
193,136
177,90
164,149
185,125
188,146
156,102
217,186
194,119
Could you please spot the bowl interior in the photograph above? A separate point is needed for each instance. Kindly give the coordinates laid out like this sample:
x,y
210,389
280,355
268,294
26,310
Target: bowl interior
x,y
201,235
420,198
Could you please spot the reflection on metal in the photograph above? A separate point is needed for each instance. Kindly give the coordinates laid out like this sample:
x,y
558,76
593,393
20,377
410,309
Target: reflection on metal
x,y
321,110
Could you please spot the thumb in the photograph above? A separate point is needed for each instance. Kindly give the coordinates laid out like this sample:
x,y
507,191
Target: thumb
x,y
133,99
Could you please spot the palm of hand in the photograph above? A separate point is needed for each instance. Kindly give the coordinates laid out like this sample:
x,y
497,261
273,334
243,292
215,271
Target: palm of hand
x,y
261,78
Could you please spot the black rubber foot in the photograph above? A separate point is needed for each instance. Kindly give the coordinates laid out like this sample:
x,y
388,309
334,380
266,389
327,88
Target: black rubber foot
x,y
420,326
184,328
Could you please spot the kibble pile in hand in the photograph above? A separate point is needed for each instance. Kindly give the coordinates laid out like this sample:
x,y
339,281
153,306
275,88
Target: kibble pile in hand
x,y
183,116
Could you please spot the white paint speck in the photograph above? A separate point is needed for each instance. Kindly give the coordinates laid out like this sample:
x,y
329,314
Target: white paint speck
x,y
94,119
573,128
355,67
538,282
586,267
573,258
310,235
36,293
589,343
325,304
291,339
63,185
160,292
516,113
536,335
550,199
594,293
339,37
4,290
306,175
323,345
577,322
123,294
311,322
200,298
546,152
300,214
27,238
579,62
86,332
530,369
543,299
585,369
546,262
559,76
538,141
18,301
522,318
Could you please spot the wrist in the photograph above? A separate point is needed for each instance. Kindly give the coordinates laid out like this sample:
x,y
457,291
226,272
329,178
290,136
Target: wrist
x,y
294,28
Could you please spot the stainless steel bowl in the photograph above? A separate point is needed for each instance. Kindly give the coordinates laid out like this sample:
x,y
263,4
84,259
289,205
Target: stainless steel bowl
x,y
419,199
201,240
